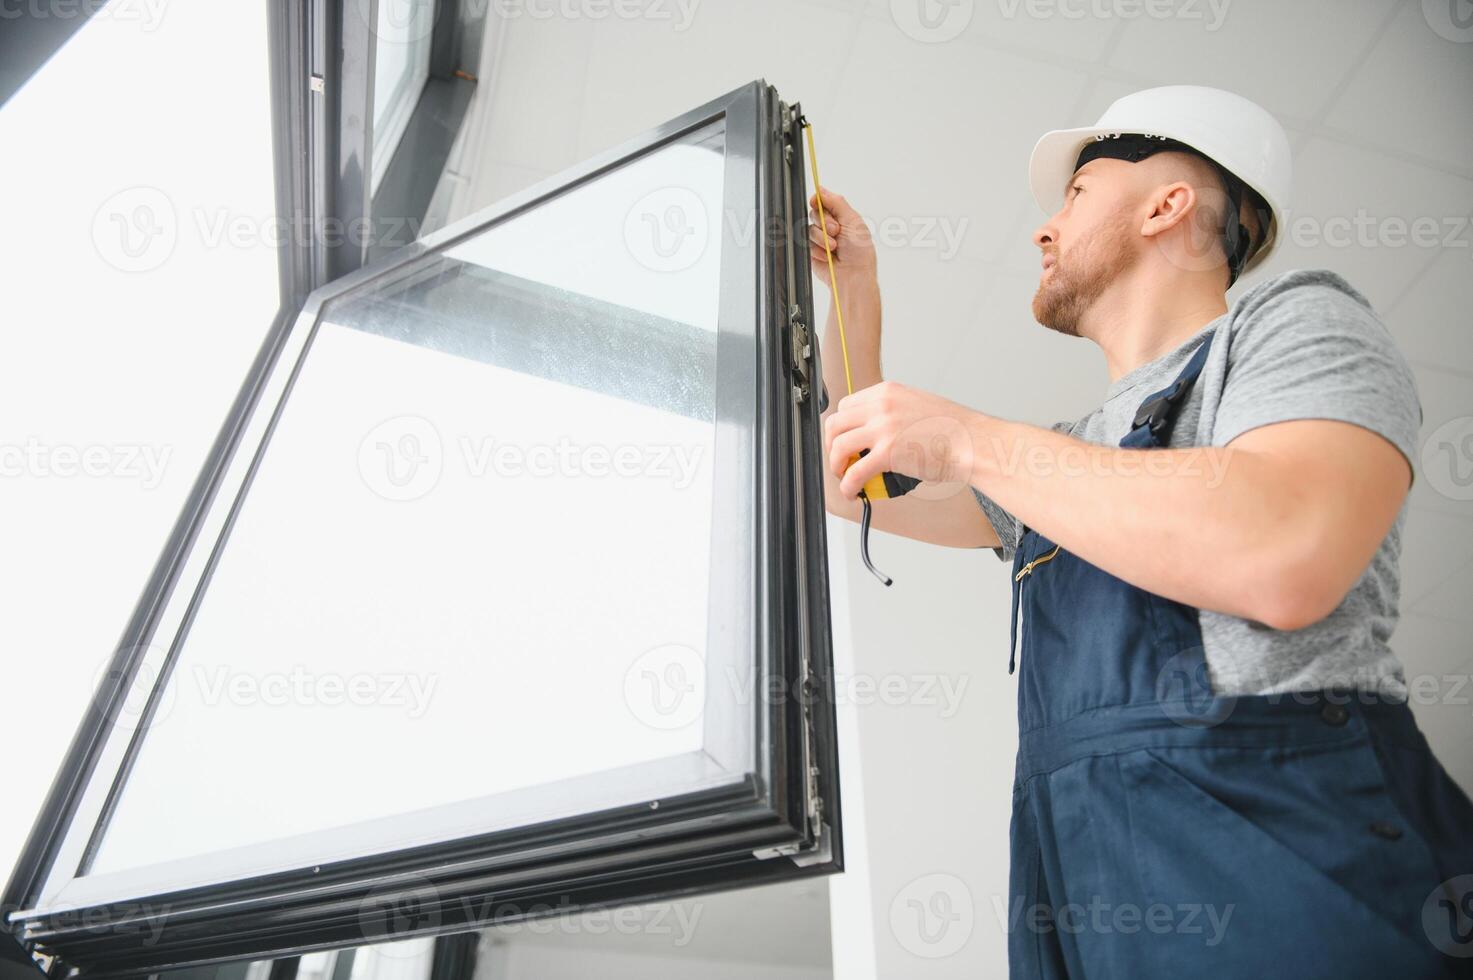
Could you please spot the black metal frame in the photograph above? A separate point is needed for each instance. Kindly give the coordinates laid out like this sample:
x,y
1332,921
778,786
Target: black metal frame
x,y
781,825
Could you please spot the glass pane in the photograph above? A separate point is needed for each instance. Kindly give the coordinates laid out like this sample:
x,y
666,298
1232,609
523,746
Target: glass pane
x,y
402,36
474,563
137,197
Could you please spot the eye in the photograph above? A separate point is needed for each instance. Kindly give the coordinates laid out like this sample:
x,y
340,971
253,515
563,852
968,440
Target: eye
x,y
1076,188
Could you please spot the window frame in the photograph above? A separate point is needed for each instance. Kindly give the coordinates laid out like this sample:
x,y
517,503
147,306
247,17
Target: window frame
x,y
785,825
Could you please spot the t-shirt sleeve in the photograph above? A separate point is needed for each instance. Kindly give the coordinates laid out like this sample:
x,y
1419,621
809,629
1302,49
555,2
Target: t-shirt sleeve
x,y
1009,529
1315,350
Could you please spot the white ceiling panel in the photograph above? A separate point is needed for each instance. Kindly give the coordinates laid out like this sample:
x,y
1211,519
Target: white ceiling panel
x,y
1413,93
1290,57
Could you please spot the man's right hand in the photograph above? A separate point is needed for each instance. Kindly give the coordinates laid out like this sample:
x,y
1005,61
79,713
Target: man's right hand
x,y
852,246
943,513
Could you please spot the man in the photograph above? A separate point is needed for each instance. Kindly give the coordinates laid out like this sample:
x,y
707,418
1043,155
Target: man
x,y
1217,768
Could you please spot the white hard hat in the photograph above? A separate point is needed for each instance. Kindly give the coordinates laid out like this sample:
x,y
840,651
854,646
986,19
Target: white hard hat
x,y
1239,135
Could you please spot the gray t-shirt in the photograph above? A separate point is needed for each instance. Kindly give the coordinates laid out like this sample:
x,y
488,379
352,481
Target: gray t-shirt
x,y
1304,345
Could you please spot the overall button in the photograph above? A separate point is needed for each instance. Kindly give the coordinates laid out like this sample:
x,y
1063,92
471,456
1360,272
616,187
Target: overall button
x,y
1386,829
1335,714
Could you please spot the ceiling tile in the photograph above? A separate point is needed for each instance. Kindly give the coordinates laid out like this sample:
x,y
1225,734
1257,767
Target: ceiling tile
x,y
1431,320
1431,647
919,134
1353,212
644,71
1289,57
1449,600
1051,28
1435,546
1445,459
1004,363
1422,111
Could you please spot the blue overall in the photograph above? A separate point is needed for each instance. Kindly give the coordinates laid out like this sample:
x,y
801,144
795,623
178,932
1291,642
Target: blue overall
x,y
1161,831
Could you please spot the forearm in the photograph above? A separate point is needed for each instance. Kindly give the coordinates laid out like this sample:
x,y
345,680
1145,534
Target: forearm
x,y
860,298
1210,527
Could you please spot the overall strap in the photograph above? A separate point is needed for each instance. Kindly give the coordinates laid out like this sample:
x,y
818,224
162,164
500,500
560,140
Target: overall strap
x,y
1151,428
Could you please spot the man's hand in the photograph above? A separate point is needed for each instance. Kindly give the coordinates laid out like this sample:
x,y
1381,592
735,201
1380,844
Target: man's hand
x,y
906,431
850,242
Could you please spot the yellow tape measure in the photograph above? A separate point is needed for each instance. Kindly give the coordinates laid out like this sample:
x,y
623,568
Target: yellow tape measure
x,y
882,485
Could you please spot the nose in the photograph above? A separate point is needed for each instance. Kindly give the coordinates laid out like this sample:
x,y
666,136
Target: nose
x,y
1045,234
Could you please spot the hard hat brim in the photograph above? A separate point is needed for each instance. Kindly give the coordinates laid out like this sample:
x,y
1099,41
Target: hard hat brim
x,y
1052,163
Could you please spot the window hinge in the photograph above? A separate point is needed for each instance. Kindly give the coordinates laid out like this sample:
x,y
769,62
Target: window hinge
x,y
317,84
782,850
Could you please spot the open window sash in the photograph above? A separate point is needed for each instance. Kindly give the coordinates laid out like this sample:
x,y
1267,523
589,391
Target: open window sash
x,y
660,290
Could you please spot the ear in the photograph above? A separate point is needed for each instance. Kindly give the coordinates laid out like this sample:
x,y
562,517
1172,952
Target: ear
x,y
1170,205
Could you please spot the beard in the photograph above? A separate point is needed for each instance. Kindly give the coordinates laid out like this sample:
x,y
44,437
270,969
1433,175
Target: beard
x,y
1074,285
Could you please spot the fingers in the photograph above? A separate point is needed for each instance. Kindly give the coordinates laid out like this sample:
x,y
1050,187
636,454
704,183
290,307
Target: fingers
x,y
816,236
834,205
